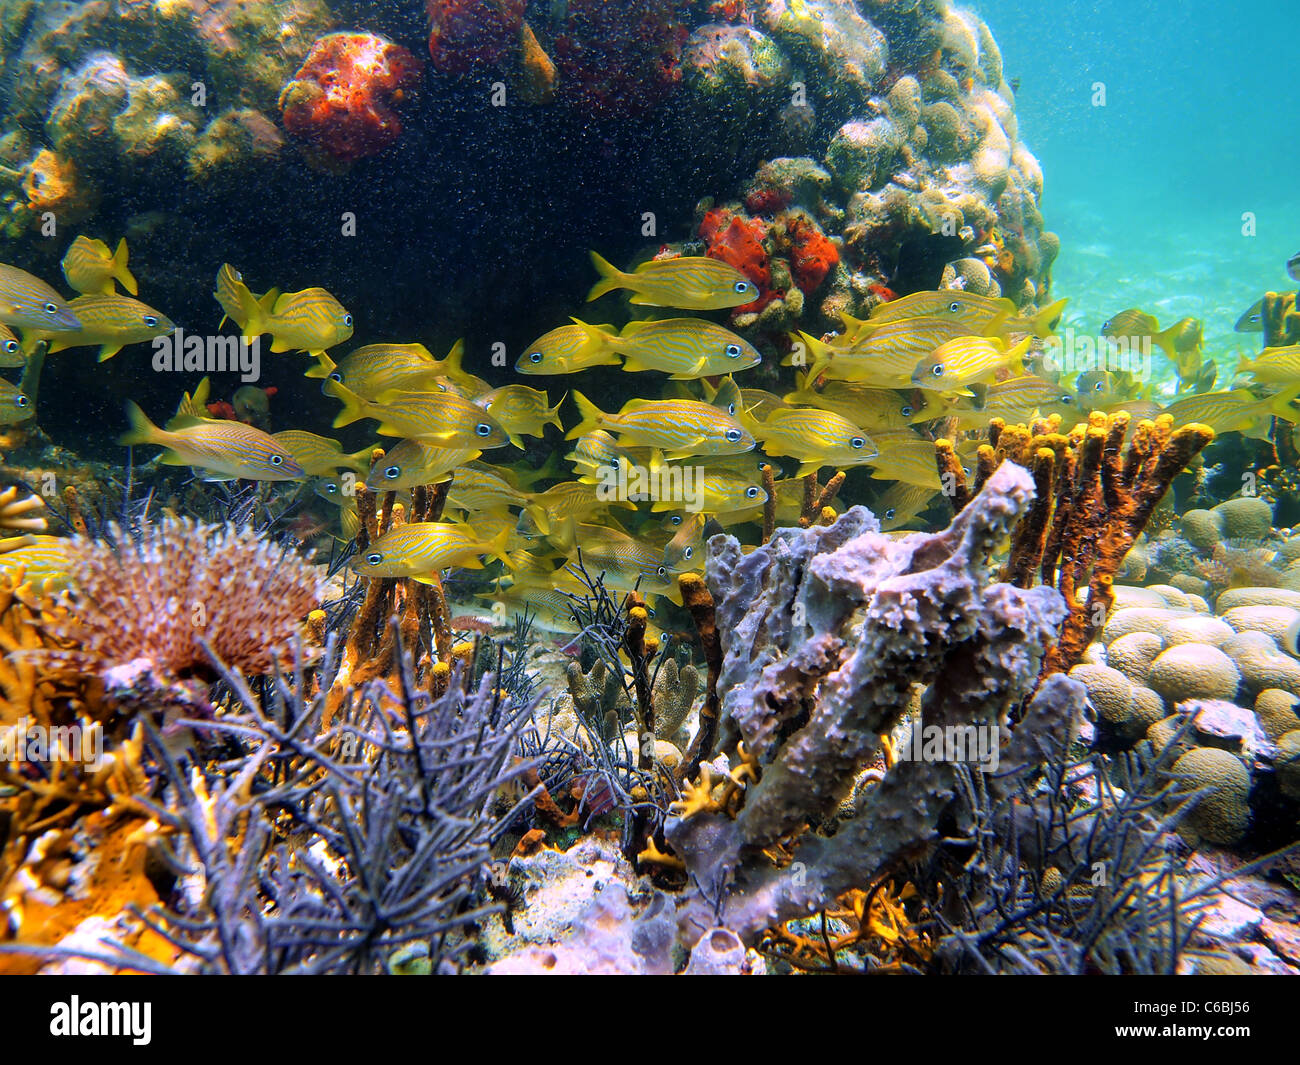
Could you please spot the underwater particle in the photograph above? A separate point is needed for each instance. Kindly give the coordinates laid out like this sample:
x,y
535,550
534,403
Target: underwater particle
x,y
469,34
341,102
1194,671
1223,815
154,598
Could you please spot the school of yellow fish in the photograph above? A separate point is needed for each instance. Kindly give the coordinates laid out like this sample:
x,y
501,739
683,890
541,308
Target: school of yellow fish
x,y
631,499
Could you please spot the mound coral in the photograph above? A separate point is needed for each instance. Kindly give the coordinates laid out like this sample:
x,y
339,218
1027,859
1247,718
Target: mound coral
x,y
341,102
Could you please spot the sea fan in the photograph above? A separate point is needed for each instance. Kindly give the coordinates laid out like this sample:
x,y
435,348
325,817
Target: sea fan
x,y
177,591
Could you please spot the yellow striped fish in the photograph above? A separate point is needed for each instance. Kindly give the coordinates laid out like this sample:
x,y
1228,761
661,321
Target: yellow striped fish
x,y
521,411
576,499
311,320
901,504
1018,400
954,365
412,463
1136,325
45,561
625,562
598,450
568,349
92,269
15,406
690,283
684,348
11,350
1273,366
816,438
870,408
107,322
421,550
682,428
886,358
906,456
224,449
441,418
1235,411
320,455
377,368
29,303
719,492
974,310
478,488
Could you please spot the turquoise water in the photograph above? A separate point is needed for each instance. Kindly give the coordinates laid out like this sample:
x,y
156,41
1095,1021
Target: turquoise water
x,y
1148,192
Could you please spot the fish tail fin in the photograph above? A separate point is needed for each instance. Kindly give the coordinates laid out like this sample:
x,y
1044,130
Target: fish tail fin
x,y
591,417
142,430
553,414
820,356
452,366
1280,404
611,277
1045,321
551,469
354,407
359,461
1165,341
498,546
323,367
120,269
1016,355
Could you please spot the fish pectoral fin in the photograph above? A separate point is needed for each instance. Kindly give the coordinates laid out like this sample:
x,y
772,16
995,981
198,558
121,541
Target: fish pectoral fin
x,y
279,345
425,578
634,365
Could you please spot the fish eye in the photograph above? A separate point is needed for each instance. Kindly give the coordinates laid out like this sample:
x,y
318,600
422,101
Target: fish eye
x,y
688,552
374,558
331,487
938,369
1098,387
733,435
733,352
347,319
11,346
676,519
277,460
21,400
535,357
954,306
51,308
1067,400
966,470
393,472
150,321
889,514
1106,324
751,492
907,412
743,286
662,571
483,429
857,443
